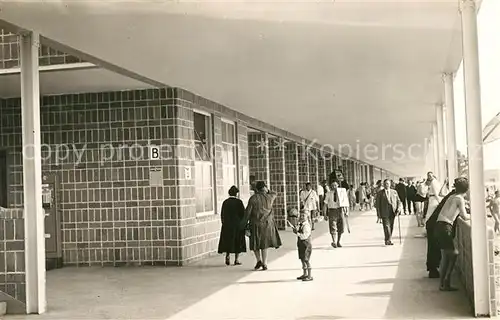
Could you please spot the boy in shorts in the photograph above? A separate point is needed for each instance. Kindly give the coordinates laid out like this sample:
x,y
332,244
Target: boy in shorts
x,y
301,226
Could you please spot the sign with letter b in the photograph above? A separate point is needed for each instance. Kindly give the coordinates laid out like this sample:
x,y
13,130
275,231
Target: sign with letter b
x,y
154,152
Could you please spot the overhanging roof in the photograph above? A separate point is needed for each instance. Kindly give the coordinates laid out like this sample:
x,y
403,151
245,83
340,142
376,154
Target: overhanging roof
x,y
342,72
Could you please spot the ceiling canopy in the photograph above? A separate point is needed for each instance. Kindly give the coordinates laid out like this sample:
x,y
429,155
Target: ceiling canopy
x,y
362,73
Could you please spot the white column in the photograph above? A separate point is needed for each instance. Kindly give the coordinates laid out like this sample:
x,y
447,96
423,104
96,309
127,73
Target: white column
x,y
475,154
435,151
451,140
32,176
440,143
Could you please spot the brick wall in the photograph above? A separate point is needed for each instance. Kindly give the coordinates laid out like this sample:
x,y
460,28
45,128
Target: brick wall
x,y
278,180
321,167
258,155
313,168
111,215
199,234
292,174
12,271
243,170
303,166
9,53
329,165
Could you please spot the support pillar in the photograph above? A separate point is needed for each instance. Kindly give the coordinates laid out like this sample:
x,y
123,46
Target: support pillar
x,y
292,175
321,166
435,151
313,167
475,154
34,217
451,140
277,180
328,165
303,166
440,143
258,156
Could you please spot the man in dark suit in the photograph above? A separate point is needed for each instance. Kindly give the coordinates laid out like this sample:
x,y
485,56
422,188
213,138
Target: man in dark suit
x,y
388,207
401,189
411,194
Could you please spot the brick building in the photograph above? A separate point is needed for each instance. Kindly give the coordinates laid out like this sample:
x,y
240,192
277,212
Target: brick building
x,y
140,174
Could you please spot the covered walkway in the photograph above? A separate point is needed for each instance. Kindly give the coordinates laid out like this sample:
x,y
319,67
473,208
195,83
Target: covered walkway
x,y
215,95
363,280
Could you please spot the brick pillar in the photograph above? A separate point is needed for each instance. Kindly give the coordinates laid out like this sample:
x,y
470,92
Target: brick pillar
x,y
243,170
303,166
328,166
352,167
372,175
258,155
321,167
359,172
292,174
313,168
277,179
220,193
355,169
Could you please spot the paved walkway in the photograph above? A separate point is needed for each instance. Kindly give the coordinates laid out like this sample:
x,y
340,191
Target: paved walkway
x,y
363,280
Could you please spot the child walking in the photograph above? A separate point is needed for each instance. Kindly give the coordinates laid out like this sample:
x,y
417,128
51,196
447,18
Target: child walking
x,y
303,231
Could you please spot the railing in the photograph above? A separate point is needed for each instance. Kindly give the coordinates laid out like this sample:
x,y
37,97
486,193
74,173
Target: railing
x,y
464,264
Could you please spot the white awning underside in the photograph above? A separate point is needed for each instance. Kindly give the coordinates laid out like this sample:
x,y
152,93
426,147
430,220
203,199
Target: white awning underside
x,y
339,72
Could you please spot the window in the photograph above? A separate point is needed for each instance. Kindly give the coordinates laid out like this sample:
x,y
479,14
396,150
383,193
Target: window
x,y
203,173
202,139
229,151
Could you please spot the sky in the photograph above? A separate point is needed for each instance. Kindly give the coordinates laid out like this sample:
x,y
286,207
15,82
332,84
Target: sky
x,y
489,61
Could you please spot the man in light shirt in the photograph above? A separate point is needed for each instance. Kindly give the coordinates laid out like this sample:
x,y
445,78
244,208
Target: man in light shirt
x,y
336,206
309,202
433,194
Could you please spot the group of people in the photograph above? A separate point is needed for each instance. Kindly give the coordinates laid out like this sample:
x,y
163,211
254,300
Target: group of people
x,y
441,227
440,209
257,222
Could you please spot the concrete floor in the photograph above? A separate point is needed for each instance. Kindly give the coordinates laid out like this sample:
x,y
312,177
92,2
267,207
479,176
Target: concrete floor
x,y
363,280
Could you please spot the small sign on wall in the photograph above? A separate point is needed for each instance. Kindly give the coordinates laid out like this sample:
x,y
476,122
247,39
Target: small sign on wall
x,y
156,177
187,173
154,152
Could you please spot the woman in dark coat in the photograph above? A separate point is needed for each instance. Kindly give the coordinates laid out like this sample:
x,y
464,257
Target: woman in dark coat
x,y
232,237
263,231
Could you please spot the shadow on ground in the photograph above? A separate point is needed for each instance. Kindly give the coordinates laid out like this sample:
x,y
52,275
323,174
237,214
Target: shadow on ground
x,y
414,295
148,292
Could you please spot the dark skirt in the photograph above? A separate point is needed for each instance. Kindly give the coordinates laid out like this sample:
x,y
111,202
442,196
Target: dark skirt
x,y
264,235
305,249
443,233
232,240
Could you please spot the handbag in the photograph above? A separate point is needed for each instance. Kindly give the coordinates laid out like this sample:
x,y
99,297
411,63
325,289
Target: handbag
x,y
248,233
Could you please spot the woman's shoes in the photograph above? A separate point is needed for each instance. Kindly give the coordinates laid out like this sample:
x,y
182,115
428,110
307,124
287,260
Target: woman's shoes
x,y
237,263
258,265
302,277
308,278
227,261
